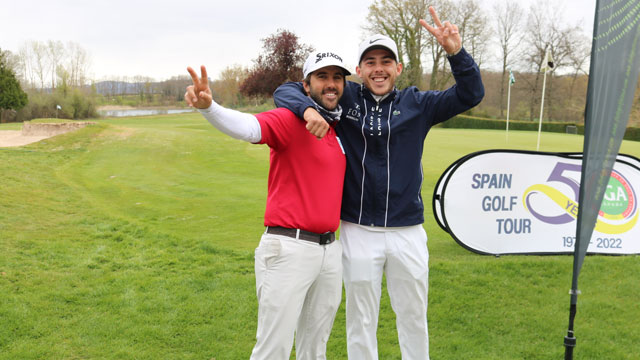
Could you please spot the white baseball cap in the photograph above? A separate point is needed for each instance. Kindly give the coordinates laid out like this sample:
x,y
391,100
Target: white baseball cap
x,y
320,59
378,41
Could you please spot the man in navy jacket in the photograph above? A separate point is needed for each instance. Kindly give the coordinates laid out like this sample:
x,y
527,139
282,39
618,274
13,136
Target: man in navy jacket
x,y
383,131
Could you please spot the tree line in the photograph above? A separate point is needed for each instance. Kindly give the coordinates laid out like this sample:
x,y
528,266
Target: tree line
x,y
513,38
503,37
54,77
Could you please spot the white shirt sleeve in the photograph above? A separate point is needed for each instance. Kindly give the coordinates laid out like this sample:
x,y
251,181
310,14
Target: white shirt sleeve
x,y
238,125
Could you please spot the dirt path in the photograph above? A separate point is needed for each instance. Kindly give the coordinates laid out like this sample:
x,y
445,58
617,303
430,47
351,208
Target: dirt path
x,y
11,138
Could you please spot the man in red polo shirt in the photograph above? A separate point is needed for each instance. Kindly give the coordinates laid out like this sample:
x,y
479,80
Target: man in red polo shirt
x,y
298,262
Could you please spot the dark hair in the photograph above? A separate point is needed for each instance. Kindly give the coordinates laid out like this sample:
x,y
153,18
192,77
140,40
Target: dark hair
x,y
307,80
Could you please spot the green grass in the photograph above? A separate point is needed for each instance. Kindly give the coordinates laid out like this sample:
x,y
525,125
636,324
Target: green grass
x,y
134,238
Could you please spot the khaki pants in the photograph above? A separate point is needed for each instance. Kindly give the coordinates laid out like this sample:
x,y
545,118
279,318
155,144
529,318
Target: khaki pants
x,y
299,287
402,253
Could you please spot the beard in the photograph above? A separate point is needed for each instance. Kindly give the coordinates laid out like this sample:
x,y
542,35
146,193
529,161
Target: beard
x,y
320,101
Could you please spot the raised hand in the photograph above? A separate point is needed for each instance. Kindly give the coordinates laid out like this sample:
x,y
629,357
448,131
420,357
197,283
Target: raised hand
x,y
446,34
199,94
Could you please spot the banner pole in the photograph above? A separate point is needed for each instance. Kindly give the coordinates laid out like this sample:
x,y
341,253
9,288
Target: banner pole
x,y
544,83
508,106
570,340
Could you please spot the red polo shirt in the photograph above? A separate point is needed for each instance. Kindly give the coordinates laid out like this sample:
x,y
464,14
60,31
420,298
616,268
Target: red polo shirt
x,y
306,175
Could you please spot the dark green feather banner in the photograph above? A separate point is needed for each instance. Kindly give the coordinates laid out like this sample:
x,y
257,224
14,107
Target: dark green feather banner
x,y
615,64
612,83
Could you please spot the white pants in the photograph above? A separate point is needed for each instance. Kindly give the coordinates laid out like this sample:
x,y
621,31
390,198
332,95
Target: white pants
x,y
402,253
299,287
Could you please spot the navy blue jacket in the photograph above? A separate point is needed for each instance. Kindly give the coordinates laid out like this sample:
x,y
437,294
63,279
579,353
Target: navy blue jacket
x,y
383,141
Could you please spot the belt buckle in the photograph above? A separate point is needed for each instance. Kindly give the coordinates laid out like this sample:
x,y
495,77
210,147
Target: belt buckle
x,y
325,238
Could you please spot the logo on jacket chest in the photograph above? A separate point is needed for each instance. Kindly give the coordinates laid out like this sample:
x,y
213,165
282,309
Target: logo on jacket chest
x,y
373,122
353,113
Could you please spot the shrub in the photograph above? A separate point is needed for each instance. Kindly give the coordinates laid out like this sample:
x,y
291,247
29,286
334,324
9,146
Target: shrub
x,y
475,122
75,104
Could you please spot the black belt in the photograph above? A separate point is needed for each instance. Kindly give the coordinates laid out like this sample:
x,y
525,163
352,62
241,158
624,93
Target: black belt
x,y
322,239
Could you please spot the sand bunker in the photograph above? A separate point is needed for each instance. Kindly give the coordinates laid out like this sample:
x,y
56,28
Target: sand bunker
x,y
31,133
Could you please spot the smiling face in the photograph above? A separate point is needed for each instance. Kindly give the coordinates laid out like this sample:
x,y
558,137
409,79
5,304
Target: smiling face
x,y
325,86
378,71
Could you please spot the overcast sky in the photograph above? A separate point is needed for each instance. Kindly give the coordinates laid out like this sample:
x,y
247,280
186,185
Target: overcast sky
x,y
161,38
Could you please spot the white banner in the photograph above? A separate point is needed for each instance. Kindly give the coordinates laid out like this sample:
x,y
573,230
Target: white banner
x,y
510,202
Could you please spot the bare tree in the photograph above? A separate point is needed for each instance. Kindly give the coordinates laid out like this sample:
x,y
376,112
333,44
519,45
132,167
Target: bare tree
x,y
149,88
399,19
173,88
55,52
439,75
123,82
472,23
138,85
578,58
226,89
39,61
24,66
508,22
78,62
546,32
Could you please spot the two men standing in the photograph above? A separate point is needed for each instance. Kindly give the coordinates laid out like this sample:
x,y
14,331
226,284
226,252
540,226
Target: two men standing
x,y
382,130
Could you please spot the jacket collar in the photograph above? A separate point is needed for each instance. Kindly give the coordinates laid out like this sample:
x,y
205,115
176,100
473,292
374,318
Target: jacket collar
x,y
369,95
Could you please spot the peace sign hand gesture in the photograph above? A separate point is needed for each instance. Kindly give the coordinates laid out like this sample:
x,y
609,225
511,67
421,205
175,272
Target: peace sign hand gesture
x,y
199,94
446,34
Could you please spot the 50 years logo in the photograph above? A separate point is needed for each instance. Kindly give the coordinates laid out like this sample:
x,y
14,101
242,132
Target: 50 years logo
x,y
618,212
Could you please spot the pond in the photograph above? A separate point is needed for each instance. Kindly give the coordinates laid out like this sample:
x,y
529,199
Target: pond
x,y
141,112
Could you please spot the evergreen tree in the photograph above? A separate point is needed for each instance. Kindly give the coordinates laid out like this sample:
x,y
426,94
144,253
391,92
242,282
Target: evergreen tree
x,y
11,94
